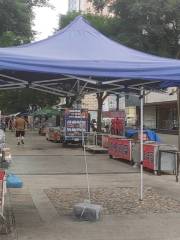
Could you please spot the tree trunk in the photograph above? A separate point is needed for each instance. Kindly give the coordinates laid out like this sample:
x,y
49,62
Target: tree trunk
x,y
117,102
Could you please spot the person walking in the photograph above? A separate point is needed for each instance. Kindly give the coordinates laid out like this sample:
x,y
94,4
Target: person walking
x,y
20,126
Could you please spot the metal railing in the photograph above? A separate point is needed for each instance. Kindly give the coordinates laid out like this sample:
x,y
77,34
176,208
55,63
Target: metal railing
x,y
98,139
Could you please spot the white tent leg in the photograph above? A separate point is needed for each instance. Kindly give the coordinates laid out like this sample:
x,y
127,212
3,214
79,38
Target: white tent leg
x,y
141,141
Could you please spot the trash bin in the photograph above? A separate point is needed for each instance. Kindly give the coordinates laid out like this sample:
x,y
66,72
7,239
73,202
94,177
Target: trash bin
x,y
160,157
167,158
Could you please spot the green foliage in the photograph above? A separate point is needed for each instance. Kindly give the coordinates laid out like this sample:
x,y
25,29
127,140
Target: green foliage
x,y
16,28
11,39
99,5
16,21
12,101
38,3
149,25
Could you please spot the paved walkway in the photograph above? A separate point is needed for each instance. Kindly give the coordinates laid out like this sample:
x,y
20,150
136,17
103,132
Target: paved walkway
x,y
44,165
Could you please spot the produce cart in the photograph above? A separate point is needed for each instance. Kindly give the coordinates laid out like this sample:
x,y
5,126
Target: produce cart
x,y
74,123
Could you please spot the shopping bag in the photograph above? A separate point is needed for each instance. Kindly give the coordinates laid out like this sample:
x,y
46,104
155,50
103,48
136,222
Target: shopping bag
x,y
12,181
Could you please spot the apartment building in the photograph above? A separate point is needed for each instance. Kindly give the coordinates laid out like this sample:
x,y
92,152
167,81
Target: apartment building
x,y
128,103
83,6
73,5
90,102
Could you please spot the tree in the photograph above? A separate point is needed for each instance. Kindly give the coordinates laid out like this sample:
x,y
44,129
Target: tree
x,y
16,28
152,26
12,101
99,5
16,21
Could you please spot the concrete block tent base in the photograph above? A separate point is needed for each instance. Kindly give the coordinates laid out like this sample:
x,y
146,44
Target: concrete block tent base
x,y
88,211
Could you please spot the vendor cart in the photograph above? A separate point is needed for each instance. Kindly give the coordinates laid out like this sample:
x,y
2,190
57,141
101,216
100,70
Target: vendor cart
x,y
120,148
160,157
53,134
74,124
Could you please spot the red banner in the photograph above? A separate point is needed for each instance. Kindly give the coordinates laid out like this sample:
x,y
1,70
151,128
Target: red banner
x,y
113,114
148,161
120,148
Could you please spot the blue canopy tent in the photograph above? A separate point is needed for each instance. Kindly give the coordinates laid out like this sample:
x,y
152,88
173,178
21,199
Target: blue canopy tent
x,y
80,52
79,60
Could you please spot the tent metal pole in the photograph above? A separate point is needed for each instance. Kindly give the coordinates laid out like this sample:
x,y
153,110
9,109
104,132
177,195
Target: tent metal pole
x,y
115,81
12,85
11,88
53,89
141,142
145,83
104,90
13,78
89,80
178,154
47,91
82,89
53,80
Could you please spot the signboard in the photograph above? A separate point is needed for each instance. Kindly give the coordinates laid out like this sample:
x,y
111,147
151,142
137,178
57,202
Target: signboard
x,y
75,127
149,156
113,114
120,148
76,122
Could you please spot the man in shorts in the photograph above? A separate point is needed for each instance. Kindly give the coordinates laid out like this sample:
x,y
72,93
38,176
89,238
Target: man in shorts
x,y
20,126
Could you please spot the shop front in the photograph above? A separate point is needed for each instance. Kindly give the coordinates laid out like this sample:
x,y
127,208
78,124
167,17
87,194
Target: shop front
x,y
162,117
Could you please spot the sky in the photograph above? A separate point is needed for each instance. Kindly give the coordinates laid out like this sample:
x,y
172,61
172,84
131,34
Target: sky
x,y
46,19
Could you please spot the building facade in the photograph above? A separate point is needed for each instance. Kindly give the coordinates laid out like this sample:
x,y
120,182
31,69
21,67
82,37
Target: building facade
x,y
160,111
84,6
129,104
73,5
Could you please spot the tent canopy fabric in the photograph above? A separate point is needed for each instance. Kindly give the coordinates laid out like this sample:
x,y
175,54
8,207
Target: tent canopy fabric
x,y
79,60
80,50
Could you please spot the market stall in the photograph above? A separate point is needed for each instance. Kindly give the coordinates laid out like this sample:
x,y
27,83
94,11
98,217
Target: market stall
x,y
87,65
